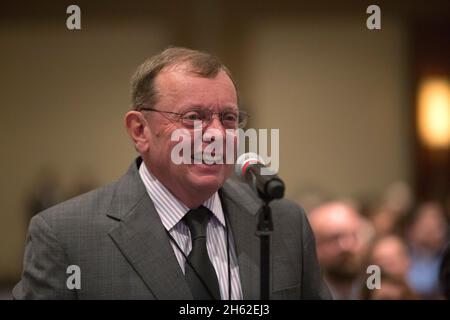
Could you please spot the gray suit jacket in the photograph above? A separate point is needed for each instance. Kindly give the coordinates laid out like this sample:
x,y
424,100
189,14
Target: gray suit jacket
x,y
116,237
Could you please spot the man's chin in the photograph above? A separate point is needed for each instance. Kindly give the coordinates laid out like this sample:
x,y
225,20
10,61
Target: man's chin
x,y
207,181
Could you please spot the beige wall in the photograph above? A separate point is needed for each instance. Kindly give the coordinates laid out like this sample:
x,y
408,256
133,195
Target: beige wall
x,y
336,91
338,94
64,94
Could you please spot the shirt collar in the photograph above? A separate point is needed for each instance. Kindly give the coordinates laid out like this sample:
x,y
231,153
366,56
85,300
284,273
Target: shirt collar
x,y
170,209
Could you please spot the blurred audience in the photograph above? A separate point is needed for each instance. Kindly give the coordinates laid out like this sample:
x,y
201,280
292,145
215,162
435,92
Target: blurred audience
x,y
342,239
392,288
444,274
390,214
391,255
386,221
398,197
427,237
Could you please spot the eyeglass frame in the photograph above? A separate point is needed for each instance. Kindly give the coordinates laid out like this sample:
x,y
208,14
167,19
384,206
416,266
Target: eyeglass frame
x,y
180,115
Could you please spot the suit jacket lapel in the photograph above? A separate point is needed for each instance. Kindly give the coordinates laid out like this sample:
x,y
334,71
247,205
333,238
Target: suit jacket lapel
x,y
241,210
142,239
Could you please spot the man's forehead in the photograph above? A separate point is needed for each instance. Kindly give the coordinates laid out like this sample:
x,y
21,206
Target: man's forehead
x,y
182,77
186,89
335,216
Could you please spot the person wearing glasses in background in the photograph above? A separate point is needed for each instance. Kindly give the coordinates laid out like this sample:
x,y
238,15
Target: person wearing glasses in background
x,y
167,230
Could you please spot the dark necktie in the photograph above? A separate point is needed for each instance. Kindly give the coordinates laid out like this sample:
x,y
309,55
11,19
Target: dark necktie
x,y
201,277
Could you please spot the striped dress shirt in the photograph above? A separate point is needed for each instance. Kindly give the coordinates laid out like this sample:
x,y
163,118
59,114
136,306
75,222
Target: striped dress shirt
x,y
171,211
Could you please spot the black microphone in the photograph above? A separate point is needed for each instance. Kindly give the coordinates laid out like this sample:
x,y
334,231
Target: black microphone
x,y
251,168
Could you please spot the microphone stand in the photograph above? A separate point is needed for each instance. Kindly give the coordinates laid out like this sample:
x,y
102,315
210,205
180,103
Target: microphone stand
x,y
264,232
268,187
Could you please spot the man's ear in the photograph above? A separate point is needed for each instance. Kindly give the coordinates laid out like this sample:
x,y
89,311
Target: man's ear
x,y
137,130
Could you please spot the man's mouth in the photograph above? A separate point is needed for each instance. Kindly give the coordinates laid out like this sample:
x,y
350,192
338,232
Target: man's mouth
x,y
209,159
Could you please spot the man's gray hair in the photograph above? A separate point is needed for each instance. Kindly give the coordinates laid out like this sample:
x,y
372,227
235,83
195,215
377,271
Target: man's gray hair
x,y
202,64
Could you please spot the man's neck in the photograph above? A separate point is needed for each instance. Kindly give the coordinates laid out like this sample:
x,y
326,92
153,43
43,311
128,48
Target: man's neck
x,y
190,198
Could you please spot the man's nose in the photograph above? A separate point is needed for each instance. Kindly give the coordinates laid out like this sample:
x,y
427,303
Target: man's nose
x,y
347,242
216,122
214,130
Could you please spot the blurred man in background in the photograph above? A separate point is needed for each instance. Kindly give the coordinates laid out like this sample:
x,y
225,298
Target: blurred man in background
x,y
427,237
342,236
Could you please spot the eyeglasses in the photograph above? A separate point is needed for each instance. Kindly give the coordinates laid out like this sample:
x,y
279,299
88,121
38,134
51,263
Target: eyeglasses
x,y
230,119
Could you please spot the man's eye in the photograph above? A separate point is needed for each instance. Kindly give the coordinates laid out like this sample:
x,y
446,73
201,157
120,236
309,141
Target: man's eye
x,y
192,116
230,117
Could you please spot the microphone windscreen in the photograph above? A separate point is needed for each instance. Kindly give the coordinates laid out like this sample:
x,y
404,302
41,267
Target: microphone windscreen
x,y
244,160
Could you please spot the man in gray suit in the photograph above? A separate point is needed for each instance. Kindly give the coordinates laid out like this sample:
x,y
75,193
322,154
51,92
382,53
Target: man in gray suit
x,y
166,230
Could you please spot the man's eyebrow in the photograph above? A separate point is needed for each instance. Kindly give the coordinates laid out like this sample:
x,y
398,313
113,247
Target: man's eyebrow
x,y
192,106
202,107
